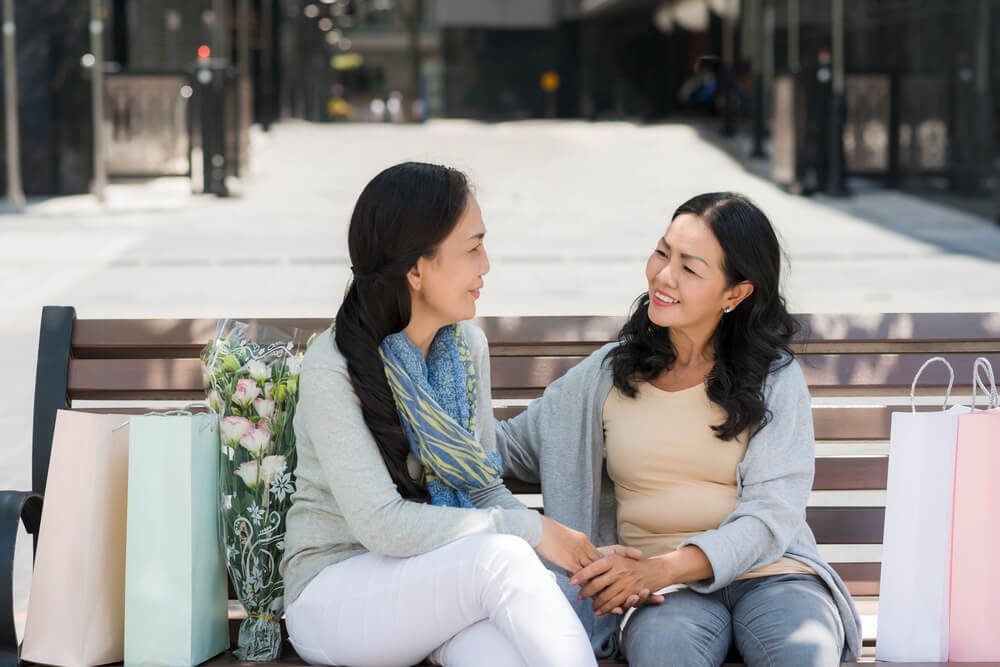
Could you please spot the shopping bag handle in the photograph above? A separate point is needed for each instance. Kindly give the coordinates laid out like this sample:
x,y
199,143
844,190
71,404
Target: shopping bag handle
x,y
982,364
951,382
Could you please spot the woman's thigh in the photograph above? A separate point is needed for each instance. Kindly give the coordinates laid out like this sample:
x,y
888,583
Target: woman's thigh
x,y
377,610
787,620
687,629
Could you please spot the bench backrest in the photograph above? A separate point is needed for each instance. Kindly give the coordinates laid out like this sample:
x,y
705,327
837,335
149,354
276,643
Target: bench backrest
x,y
859,368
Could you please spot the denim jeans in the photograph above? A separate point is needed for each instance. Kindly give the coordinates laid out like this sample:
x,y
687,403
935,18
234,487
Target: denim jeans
x,y
781,620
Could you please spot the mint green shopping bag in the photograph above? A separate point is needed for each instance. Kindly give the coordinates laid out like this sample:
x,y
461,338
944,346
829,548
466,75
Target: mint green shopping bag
x,y
175,573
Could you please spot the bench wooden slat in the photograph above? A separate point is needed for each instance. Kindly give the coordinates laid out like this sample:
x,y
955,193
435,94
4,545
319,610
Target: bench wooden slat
x,y
847,525
919,333
513,377
827,375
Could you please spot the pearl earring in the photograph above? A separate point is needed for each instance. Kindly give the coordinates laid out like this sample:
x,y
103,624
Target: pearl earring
x,y
727,310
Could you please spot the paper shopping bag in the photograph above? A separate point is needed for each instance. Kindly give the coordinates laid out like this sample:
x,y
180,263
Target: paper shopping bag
x,y
175,575
76,608
913,592
974,633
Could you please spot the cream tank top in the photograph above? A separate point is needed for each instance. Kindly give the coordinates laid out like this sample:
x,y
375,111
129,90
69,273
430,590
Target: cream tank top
x,y
673,477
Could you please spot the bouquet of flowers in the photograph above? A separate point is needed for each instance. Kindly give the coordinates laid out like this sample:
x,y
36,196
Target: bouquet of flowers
x,y
251,376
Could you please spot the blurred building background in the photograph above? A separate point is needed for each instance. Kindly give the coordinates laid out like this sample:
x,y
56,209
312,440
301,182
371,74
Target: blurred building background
x,y
899,93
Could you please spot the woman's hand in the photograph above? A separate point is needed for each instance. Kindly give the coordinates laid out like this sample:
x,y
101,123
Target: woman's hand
x,y
618,581
569,549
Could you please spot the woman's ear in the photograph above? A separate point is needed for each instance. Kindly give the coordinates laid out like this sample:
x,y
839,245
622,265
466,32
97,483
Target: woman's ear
x,y
738,294
413,276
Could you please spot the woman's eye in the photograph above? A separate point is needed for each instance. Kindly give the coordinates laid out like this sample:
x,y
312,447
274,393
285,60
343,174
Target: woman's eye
x,y
688,269
660,253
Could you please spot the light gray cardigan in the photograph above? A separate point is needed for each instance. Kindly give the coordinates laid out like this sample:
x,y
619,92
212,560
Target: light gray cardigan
x,y
346,503
559,442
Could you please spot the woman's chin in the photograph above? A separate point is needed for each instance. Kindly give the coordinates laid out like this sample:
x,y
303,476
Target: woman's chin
x,y
659,318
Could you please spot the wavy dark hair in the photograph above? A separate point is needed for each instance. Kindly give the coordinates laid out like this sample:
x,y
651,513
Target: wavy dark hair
x,y
747,341
403,214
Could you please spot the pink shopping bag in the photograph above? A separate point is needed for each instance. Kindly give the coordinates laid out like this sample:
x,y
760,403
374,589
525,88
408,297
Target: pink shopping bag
x,y
974,628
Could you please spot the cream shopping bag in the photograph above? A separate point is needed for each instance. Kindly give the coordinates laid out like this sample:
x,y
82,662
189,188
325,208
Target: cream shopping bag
x,y
77,604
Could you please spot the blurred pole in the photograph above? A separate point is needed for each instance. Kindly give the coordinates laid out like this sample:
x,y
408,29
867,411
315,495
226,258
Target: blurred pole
x,y
758,79
15,190
412,12
983,99
267,50
728,81
244,113
838,105
793,37
97,98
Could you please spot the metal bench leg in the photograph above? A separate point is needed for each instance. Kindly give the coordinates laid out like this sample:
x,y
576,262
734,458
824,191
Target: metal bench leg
x,y
15,507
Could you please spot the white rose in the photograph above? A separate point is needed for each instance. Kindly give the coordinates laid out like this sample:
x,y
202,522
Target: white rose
x,y
271,466
258,371
248,473
294,364
264,408
256,441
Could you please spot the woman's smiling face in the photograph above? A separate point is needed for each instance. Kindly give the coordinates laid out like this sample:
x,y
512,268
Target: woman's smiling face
x,y
688,286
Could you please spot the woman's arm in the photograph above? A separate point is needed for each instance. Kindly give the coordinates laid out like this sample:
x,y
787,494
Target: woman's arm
x,y
520,439
496,494
378,516
777,475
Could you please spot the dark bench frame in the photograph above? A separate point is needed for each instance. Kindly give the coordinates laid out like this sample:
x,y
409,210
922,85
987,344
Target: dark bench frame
x,y
842,355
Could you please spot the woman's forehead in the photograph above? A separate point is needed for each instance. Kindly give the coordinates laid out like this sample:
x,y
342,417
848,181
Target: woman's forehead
x,y
690,230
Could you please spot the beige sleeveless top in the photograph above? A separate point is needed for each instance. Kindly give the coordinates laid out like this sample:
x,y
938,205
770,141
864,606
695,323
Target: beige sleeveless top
x,y
673,477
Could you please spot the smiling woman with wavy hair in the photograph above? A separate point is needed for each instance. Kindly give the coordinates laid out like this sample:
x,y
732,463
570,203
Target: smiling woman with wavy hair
x,y
704,421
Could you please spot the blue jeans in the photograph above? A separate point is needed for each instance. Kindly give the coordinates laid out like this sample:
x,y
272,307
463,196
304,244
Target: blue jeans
x,y
774,621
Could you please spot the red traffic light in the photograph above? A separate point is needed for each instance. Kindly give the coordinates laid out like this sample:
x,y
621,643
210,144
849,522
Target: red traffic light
x,y
204,52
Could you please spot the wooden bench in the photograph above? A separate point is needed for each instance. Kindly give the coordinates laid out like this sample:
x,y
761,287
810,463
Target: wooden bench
x,y
859,369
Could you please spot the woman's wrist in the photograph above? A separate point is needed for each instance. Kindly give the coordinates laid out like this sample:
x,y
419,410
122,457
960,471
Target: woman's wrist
x,y
660,573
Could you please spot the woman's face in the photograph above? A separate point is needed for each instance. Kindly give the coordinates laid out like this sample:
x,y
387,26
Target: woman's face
x,y
687,286
446,286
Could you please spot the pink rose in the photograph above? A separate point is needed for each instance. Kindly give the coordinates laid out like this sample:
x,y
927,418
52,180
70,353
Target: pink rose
x,y
256,441
233,429
246,392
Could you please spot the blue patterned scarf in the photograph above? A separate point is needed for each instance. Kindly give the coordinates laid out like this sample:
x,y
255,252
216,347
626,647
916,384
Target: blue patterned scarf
x,y
436,401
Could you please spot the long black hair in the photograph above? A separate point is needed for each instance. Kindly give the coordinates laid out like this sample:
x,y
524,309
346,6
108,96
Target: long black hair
x,y
403,214
747,341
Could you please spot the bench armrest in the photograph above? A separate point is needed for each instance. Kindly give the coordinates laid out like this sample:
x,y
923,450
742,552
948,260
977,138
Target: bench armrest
x,y
15,507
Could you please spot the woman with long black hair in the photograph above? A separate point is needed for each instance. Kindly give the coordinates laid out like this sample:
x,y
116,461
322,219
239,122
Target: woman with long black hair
x,y
703,418
403,542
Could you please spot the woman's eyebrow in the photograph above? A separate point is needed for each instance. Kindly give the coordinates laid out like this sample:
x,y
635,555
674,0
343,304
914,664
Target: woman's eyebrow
x,y
684,255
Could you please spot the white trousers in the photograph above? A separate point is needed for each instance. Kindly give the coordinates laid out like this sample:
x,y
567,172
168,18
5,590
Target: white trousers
x,y
483,600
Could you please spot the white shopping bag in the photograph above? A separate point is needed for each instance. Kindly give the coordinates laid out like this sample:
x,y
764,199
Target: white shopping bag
x,y
914,590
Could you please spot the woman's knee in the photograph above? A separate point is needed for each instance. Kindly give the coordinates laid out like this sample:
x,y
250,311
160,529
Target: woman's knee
x,y
499,553
791,621
687,635
811,644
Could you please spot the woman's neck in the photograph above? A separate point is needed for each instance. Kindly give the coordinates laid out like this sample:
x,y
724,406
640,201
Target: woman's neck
x,y
421,332
692,348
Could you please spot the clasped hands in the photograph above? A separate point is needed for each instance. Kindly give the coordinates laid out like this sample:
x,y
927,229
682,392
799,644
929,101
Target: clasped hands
x,y
615,577
620,579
